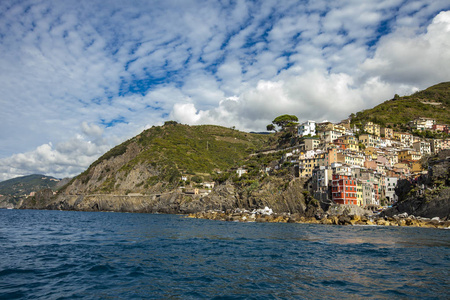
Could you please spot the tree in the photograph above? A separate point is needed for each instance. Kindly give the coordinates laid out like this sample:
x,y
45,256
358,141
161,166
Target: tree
x,y
270,127
285,121
197,179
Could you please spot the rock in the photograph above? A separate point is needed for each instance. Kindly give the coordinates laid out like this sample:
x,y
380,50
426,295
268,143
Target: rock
x,y
401,222
403,215
348,210
326,221
344,220
381,222
411,222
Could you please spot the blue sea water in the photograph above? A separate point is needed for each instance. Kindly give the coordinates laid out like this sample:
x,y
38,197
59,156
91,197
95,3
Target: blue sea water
x,y
100,255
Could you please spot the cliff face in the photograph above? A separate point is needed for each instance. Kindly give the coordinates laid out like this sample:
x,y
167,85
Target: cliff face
x,y
430,205
429,195
224,197
144,175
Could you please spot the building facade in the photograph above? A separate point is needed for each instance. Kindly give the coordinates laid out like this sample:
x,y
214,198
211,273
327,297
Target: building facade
x,y
307,128
344,190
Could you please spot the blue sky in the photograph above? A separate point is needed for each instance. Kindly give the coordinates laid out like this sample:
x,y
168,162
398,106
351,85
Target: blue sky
x,y
78,77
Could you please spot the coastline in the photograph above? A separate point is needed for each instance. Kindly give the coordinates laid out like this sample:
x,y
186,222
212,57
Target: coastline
x,y
402,220
238,215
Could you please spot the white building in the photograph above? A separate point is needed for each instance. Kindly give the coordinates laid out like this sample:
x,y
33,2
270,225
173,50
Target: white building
x,y
306,128
241,171
391,183
330,135
422,147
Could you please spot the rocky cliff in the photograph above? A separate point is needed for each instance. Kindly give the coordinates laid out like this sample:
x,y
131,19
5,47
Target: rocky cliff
x,y
224,197
144,175
429,195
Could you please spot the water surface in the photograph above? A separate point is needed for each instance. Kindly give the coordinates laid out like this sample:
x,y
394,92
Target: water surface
x,y
57,255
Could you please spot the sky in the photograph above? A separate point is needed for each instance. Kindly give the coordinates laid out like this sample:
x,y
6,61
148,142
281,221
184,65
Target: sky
x,y
79,77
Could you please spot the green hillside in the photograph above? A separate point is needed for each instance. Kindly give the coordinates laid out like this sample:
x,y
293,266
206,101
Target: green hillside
x,y
25,185
434,102
163,153
197,148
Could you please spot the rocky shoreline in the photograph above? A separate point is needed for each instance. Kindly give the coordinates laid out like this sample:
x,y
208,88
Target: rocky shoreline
x,y
366,220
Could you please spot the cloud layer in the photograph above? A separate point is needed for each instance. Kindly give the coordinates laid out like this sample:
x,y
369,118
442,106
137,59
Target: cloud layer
x,y
78,77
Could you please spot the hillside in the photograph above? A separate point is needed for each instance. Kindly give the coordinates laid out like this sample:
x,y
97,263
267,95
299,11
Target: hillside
x,y
26,184
155,160
144,174
434,102
164,168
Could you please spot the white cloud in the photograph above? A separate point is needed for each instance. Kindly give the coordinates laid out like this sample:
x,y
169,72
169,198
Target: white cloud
x,y
64,160
418,60
91,130
121,68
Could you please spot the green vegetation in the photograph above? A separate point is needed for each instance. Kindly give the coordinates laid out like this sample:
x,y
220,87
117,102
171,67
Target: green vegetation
x,y
116,151
25,185
196,149
400,110
285,121
270,127
175,149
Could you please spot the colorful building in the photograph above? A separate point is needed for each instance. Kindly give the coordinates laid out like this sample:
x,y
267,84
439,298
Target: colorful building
x,y
369,140
372,128
405,139
343,189
408,154
387,132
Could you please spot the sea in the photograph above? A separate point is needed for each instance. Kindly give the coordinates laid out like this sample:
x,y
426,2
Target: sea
x,y
105,255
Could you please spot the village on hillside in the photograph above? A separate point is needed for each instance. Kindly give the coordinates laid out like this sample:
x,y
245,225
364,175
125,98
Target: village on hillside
x,y
344,164
349,165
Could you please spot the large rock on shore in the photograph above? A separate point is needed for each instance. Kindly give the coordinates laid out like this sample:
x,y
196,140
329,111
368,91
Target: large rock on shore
x,y
347,210
429,205
428,195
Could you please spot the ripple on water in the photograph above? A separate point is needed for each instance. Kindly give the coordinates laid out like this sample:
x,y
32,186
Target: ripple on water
x,y
103,255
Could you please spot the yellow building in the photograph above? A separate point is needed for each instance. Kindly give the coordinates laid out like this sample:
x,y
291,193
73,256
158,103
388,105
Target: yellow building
x,y
307,165
416,167
351,159
371,152
408,154
372,128
369,140
350,142
339,128
359,193
405,138
387,132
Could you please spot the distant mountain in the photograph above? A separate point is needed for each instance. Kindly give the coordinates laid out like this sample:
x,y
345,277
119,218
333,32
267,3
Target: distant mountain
x,y
25,185
434,102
